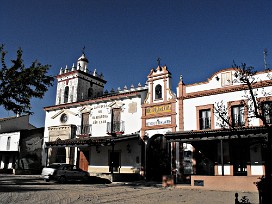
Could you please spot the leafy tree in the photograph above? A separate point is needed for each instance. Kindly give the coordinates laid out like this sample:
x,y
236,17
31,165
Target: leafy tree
x,y
254,99
19,84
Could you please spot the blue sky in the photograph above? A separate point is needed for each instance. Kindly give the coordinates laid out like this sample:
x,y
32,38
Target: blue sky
x,y
123,38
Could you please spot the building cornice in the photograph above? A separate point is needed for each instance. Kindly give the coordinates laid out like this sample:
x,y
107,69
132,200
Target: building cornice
x,y
228,89
79,72
101,99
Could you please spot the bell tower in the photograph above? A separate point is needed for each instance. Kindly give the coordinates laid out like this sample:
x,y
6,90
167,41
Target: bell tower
x,y
78,84
159,85
159,107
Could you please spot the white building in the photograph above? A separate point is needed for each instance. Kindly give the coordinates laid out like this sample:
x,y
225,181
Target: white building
x,y
92,128
20,145
207,129
159,117
217,131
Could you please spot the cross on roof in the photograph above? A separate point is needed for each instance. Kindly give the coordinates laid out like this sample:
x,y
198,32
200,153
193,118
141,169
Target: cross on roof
x,y
159,61
83,50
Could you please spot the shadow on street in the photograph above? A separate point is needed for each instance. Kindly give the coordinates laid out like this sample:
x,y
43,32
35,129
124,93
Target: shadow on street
x,y
12,183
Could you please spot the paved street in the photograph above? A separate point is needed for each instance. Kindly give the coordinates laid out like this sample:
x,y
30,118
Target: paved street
x,y
32,189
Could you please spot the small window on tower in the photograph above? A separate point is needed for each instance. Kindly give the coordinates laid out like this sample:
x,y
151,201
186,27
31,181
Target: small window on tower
x,y
59,97
90,92
66,94
158,92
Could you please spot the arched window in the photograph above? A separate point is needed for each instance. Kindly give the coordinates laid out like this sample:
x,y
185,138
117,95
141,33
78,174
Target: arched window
x,y
59,97
90,92
158,92
8,143
72,95
66,94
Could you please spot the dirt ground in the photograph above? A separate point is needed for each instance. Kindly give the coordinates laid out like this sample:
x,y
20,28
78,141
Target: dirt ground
x,y
32,189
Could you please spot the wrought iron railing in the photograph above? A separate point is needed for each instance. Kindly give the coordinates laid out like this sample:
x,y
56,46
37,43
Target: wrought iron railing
x,y
116,127
84,130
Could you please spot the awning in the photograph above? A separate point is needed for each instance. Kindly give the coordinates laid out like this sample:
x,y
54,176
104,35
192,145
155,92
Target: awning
x,y
217,134
91,141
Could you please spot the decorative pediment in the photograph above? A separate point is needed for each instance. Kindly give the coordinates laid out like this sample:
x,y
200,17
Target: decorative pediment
x,y
63,111
158,71
116,104
85,109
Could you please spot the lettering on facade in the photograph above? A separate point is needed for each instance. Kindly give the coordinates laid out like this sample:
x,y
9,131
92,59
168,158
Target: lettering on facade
x,y
100,117
162,121
158,109
100,106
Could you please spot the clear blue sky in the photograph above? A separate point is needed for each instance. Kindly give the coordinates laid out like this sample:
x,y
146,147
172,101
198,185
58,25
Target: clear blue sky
x,y
124,38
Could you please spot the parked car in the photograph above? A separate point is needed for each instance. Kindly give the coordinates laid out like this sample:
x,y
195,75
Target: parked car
x,y
48,172
70,173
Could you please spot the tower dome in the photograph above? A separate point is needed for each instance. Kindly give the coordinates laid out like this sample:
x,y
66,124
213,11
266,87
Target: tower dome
x,y
82,62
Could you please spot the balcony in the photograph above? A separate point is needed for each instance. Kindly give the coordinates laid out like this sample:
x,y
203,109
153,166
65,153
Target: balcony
x,y
84,130
117,127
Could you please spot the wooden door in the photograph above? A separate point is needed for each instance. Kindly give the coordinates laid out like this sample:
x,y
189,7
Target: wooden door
x,y
84,160
114,161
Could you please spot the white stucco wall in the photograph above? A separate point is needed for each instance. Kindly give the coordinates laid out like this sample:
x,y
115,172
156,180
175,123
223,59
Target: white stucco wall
x,y
14,141
215,81
100,114
189,105
128,160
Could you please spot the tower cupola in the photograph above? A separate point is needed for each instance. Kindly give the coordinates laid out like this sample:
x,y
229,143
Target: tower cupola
x,y
82,63
78,83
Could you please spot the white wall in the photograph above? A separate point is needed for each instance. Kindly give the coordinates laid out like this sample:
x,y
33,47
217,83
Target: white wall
x,y
100,161
189,105
14,141
100,115
214,82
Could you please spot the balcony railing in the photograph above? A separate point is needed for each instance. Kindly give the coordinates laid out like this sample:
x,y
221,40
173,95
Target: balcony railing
x,y
205,123
117,127
84,130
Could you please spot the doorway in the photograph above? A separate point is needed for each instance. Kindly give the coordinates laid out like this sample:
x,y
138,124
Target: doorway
x,y
158,161
84,160
114,161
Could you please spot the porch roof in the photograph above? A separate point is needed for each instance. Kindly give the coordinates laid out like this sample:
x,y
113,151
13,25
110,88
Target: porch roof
x,y
217,134
91,141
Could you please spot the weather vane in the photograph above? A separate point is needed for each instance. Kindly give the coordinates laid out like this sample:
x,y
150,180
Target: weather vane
x,y
159,61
